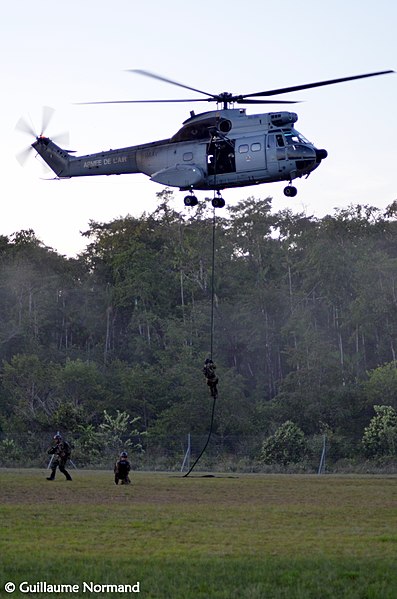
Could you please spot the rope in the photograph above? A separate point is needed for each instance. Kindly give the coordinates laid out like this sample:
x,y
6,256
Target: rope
x,y
211,340
212,285
208,440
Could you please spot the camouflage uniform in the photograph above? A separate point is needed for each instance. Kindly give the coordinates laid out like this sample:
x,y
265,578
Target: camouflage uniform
x,y
212,379
61,452
122,469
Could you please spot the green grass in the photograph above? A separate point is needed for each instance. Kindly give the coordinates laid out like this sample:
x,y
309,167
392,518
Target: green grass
x,y
248,536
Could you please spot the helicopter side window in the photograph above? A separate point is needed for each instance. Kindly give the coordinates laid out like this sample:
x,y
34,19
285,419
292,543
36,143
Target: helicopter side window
x,y
188,156
280,140
243,149
255,147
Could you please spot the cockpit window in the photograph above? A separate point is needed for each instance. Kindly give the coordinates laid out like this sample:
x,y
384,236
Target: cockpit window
x,y
293,137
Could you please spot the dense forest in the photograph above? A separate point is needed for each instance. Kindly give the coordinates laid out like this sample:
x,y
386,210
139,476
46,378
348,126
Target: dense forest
x,y
109,346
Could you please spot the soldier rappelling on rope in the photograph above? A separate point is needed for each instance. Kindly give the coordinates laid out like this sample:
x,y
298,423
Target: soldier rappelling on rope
x,y
210,375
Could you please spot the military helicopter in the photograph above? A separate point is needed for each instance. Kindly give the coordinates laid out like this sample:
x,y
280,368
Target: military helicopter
x,y
214,150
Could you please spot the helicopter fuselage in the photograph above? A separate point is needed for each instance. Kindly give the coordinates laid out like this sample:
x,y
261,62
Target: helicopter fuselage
x,y
213,150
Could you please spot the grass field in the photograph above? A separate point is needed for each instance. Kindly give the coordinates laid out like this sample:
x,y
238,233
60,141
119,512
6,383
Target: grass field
x,y
245,536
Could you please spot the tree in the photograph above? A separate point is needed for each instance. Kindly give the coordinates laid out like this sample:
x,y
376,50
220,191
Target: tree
x,y
380,436
305,323
286,446
382,385
88,445
81,384
118,432
30,387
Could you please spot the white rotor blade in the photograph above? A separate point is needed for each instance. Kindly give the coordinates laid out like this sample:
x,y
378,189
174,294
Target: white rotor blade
x,y
48,113
23,156
25,127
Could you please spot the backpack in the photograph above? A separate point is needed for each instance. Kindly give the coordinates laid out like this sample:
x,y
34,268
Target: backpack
x,y
66,450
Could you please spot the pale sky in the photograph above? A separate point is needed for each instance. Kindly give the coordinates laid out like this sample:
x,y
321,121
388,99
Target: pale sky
x,y
59,53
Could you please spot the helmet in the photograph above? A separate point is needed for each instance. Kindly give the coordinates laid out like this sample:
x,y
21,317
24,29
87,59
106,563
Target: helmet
x,y
58,435
124,454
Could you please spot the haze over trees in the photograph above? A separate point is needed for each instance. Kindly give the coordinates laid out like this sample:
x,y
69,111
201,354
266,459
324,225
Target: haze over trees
x,y
305,328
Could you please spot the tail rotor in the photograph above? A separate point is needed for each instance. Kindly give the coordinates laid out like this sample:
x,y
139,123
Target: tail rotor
x,y
24,126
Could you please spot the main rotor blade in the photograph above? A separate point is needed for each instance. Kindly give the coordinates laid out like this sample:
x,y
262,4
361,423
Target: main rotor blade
x,y
244,101
143,101
166,80
238,100
285,90
25,127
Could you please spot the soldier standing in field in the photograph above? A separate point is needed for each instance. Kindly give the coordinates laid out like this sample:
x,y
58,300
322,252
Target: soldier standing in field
x,y
61,452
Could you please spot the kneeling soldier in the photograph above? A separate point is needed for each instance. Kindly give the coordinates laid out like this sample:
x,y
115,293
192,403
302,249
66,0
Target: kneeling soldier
x,y
122,469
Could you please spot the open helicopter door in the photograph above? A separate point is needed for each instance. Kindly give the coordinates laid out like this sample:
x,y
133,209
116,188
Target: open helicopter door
x,y
221,157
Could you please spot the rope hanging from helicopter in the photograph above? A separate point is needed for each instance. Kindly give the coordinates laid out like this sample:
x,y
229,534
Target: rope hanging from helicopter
x,y
214,392
214,395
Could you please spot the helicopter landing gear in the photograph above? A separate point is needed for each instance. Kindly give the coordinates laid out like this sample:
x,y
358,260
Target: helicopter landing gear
x,y
290,191
218,201
190,200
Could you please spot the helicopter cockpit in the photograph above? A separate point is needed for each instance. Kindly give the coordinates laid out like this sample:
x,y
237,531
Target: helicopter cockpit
x,y
303,152
299,148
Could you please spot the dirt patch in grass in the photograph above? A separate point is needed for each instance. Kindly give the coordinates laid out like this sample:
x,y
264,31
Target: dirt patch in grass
x,y
305,493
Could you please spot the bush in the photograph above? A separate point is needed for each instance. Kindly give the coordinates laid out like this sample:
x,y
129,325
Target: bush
x,y
10,453
286,446
380,436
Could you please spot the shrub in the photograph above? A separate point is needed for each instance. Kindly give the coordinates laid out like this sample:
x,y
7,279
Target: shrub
x,y
380,436
286,446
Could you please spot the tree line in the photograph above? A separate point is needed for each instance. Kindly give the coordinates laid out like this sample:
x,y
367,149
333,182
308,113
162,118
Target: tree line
x,y
305,328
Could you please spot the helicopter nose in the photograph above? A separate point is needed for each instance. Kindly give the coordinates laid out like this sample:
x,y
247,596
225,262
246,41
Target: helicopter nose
x,y
320,155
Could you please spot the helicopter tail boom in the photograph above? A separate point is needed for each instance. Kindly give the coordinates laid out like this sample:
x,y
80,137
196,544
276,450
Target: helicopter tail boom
x,y
112,162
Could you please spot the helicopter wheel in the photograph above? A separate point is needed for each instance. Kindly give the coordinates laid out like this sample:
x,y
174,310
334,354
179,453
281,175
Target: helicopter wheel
x,y
190,200
218,202
290,191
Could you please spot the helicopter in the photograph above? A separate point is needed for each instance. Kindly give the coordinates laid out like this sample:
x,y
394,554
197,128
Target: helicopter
x,y
213,150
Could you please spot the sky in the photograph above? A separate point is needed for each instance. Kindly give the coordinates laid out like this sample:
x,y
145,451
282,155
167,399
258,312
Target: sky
x,y
60,53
